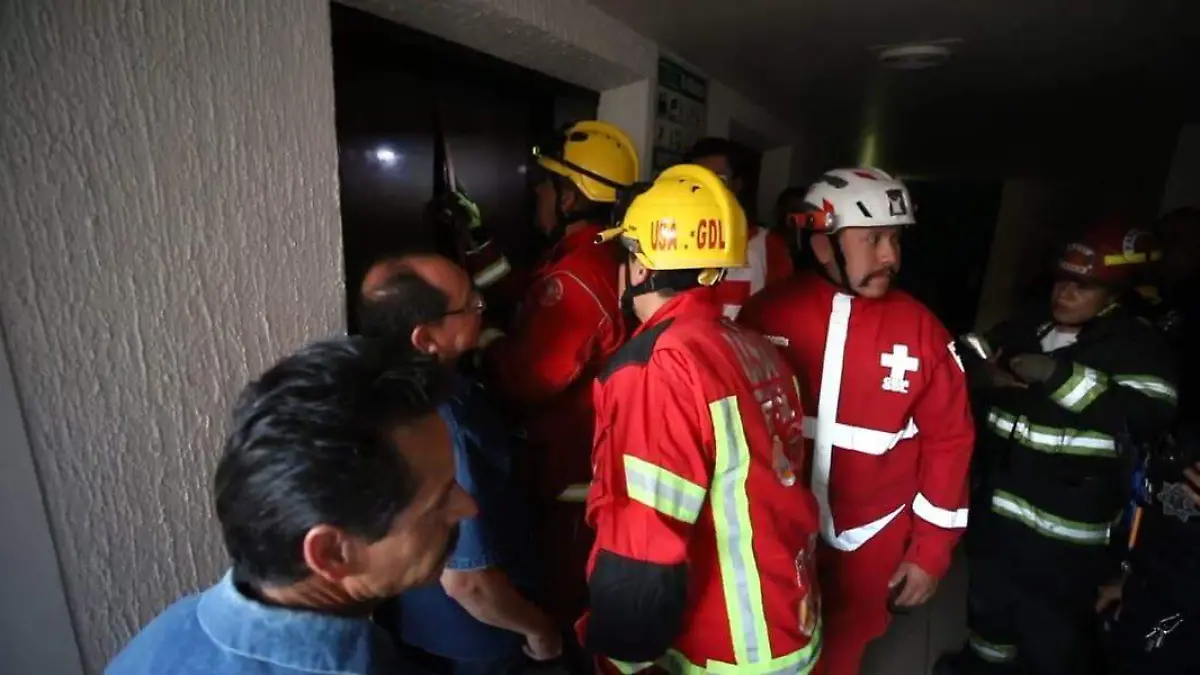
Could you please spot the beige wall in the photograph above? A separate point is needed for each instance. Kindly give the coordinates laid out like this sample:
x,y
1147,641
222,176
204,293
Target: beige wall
x,y
169,191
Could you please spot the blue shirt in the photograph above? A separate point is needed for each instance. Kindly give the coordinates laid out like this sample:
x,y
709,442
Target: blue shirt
x,y
223,632
498,537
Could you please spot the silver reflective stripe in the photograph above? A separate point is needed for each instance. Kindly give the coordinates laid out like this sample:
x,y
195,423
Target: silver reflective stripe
x,y
1047,524
1151,386
978,345
664,491
1051,439
492,273
992,653
734,547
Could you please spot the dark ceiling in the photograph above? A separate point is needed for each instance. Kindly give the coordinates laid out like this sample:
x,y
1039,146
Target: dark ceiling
x,y
786,53
813,61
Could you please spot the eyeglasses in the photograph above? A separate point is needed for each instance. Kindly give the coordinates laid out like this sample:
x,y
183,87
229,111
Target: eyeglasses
x,y
475,304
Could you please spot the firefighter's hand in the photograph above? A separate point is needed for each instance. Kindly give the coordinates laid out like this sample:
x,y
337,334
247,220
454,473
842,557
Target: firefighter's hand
x,y
1033,367
999,378
545,645
919,585
1109,595
1192,473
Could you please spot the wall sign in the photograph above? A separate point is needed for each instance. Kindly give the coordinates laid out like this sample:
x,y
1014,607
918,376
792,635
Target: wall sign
x,y
682,111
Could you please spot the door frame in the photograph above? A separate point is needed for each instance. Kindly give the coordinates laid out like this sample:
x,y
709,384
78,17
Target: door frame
x,y
36,633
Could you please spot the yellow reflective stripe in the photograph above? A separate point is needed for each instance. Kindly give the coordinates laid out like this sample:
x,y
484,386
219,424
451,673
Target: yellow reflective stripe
x,y
735,535
1047,524
799,662
492,273
627,668
575,493
1116,259
1084,386
1151,386
668,493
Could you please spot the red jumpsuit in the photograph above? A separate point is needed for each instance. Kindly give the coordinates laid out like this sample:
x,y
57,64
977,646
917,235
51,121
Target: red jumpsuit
x,y
567,327
893,437
699,457
770,261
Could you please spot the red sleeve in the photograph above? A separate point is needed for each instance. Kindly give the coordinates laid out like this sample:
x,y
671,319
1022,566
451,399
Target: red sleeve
x,y
754,314
779,259
555,336
947,435
652,460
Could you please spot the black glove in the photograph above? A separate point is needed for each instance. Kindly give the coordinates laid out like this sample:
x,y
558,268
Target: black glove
x,y
482,258
1033,368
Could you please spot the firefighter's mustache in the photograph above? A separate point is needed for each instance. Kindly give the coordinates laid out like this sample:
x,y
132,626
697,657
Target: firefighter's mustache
x,y
888,273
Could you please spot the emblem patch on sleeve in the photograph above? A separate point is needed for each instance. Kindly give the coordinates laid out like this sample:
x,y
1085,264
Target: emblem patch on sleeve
x,y
550,293
1177,503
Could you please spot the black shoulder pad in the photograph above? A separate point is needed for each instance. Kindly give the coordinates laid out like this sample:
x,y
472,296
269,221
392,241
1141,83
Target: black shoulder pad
x,y
636,352
637,607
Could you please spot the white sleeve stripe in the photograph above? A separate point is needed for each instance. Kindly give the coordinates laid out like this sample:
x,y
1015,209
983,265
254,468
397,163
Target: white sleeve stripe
x,y
943,518
862,439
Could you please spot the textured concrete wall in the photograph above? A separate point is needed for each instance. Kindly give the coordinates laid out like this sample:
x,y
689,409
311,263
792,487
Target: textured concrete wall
x,y
169,226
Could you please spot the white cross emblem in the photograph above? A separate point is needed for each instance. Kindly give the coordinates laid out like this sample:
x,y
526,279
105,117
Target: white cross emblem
x,y
899,363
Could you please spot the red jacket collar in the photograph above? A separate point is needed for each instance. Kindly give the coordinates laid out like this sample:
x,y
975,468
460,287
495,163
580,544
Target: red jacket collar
x,y
585,235
696,302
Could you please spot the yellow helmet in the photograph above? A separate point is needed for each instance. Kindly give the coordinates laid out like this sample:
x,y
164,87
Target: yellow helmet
x,y
596,156
687,219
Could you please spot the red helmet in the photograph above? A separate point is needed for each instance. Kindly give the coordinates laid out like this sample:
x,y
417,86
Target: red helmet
x,y
1111,255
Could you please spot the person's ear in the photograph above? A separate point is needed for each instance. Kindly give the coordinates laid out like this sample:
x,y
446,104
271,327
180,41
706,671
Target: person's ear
x,y
637,271
735,185
567,198
422,340
330,553
822,248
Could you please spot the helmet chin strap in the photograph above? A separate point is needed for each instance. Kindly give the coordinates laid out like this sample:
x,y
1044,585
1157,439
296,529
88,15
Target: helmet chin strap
x,y
839,260
563,220
668,280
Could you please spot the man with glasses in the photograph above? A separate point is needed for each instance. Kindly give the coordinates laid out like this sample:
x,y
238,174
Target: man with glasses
x,y
480,618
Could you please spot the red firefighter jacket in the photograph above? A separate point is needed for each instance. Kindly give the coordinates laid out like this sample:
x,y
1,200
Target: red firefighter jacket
x,y
893,429
770,261
568,325
698,486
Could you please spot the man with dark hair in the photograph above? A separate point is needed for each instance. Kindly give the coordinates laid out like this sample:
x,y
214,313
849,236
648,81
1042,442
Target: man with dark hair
x,y
479,618
768,253
335,491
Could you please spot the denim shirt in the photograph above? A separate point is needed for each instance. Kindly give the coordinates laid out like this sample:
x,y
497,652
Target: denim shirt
x,y
223,632
497,537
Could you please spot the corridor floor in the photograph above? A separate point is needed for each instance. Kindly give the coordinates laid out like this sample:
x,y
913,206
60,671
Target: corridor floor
x,y
915,641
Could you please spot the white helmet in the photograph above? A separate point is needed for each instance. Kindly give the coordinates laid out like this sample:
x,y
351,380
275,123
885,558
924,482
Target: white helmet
x,y
863,197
